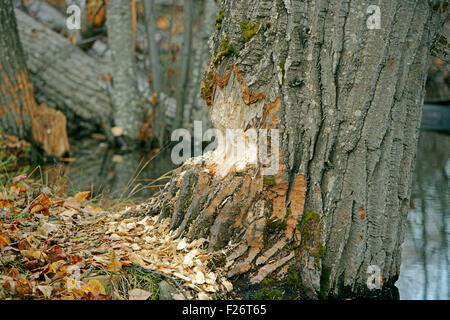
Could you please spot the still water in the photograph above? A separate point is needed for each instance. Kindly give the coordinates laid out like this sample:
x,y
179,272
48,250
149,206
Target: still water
x,y
425,258
424,272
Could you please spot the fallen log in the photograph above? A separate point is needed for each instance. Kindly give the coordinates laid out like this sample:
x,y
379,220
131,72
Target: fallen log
x,y
66,78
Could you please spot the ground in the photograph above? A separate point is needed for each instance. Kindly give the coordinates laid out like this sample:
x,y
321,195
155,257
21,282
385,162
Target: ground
x,y
57,246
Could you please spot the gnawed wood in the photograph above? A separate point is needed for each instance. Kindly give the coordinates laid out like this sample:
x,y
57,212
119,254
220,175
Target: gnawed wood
x,y
297,202
234,214
49,130
209,85
269,268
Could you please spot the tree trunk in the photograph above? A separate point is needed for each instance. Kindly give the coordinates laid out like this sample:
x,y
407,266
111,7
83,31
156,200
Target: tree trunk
x,y
347,101
188,17
19,113
159,123
128,113
65,78
195,108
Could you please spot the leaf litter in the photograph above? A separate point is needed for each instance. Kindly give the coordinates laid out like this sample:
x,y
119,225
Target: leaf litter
x,y
53,248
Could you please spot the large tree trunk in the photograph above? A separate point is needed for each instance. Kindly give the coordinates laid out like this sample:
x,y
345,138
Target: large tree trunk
x,y
66,78
128,113
19,113
347,102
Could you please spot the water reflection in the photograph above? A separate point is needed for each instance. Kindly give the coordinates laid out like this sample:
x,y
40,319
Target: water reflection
x,y
424,272
112,173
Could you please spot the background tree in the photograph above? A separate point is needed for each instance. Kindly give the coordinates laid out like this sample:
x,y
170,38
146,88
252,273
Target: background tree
x,y
347,101
158,125
19,113
128,113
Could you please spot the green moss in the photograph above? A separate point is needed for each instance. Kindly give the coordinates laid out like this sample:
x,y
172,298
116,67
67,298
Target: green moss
x,y
249,29
272,226
269,180
219,19
288,213
319,250
293,278
268,289
311,216
226,49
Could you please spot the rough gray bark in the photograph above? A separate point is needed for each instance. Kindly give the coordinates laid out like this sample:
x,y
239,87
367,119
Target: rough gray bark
x,y
347,101
19,113
128,113
65,78
16,92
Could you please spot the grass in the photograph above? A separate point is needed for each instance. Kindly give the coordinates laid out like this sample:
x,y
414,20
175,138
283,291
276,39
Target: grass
x,y
133,278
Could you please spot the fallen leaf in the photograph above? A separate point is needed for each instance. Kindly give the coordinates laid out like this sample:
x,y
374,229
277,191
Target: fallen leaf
x,y
203,296
72,203
81,196
162,23
33,254
138,294
117,131
3,241
98,285
154,98
23,287
46,290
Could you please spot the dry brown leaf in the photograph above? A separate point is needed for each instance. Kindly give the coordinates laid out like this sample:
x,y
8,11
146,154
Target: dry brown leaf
x,y
81,196
162,23
117,131
46,290
3,241
138,294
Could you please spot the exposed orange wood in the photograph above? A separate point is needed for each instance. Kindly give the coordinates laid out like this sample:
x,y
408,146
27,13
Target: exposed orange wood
x,y
49,130
297,200
8,83
208,87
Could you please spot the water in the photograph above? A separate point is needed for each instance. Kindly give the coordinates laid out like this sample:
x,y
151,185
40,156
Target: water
x,y
111,173
424,273
425,256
